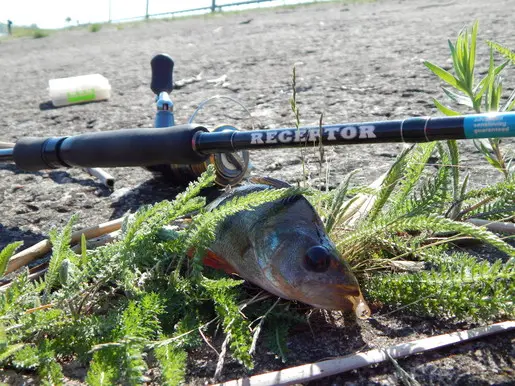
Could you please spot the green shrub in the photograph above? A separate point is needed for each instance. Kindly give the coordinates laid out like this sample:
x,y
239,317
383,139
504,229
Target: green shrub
x,y
95,27
38,34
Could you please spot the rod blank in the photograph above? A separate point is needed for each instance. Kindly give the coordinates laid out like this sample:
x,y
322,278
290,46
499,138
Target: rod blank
x,y
6,155
410,130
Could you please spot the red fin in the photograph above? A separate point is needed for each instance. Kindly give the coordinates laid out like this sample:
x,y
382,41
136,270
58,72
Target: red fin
x,y
214,261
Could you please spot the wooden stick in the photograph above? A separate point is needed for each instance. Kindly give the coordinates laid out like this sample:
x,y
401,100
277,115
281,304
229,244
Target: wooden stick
x,y
104,177
97,241
494,226
38,267
312,371
43,268
37,274
6,145
39,249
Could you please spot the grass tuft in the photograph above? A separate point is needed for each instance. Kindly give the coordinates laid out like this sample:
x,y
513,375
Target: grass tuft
x,y
38,34
95,27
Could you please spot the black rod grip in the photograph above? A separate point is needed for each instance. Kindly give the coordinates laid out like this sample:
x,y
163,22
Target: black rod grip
x,y
118,148
135,147
29,153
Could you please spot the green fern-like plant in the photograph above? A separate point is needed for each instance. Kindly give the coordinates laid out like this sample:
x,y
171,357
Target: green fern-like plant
x,y
172,362
416,212
459,287
142,300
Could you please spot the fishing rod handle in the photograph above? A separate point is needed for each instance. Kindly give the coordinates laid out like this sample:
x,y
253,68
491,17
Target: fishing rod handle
x,y
117,148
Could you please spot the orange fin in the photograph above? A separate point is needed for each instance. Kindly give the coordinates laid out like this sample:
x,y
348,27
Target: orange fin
x,y
214,261
270,181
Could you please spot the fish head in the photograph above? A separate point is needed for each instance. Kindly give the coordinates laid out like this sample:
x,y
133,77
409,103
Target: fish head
x,y
303,264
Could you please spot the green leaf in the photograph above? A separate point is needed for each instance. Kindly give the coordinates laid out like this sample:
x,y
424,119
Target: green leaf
x,y
277,340
510,103
472,57
172,362
6,254
10,351
336,205
412,173
490,83
26,357
459,99
446,110
134,365
49,371
455,60
484,146
496,94
443,74
104,369
463,58
497,71
458,287
504,51
454,154
3,338
224,294
60,251
483,84
393,177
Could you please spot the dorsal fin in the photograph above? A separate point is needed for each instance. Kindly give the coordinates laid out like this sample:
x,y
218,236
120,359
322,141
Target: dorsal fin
x,y
270,181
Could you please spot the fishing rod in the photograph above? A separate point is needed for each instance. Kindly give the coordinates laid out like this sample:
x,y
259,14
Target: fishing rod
x,y
192,144
183,151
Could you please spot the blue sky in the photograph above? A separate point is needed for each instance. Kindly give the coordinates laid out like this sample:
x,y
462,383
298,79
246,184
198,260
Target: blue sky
x,y
53,13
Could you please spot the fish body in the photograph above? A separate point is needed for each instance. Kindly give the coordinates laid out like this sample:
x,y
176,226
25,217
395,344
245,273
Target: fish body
x,y
282,247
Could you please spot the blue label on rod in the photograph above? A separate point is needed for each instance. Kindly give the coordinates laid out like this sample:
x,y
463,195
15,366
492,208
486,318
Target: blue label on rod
x,y
492,125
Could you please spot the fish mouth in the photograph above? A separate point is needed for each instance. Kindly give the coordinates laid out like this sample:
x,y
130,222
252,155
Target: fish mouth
x,y
352,294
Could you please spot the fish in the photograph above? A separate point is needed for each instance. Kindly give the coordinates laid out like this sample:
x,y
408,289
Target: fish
x,y
282,247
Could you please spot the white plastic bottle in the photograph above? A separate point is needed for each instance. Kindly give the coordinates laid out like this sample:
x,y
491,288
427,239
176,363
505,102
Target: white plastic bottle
x,y
79,89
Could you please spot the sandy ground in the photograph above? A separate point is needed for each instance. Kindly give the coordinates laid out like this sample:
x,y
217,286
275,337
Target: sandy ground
x,y
357,62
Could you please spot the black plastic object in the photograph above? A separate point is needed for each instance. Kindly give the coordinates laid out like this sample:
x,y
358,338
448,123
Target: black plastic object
x,y
28,154
129,147
162,74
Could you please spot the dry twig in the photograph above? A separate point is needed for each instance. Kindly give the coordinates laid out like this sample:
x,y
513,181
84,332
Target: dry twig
x,y
312,371
26,256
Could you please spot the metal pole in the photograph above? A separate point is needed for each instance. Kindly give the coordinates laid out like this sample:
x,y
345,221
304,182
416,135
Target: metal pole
x,y
146,12
213,6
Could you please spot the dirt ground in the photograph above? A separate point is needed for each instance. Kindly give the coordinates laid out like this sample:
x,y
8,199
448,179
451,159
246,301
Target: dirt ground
x,y
355,62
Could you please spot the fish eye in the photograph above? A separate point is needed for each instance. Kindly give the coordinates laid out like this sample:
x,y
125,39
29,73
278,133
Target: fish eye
x,y
317,259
